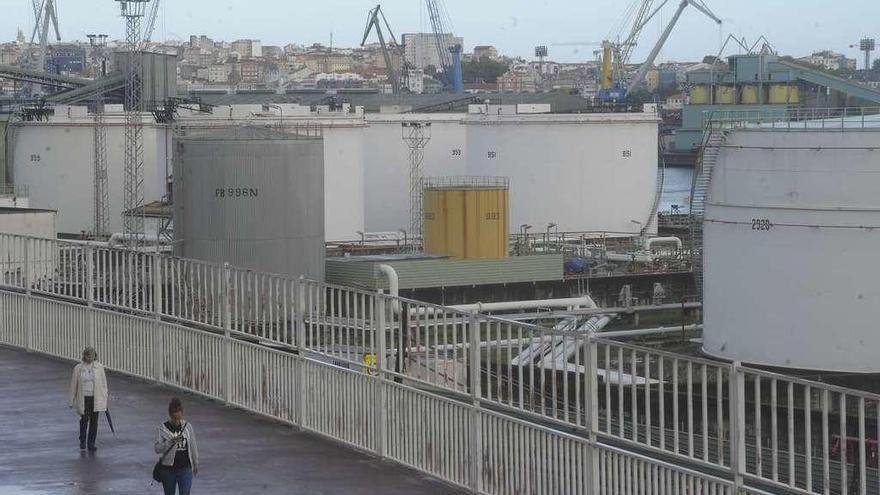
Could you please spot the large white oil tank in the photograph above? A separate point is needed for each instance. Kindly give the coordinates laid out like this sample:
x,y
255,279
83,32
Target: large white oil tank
x,y
253,197
792,250
54,159
386,163
584,172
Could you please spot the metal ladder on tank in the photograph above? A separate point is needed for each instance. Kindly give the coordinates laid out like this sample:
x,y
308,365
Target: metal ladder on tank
x,y
714,138
658,192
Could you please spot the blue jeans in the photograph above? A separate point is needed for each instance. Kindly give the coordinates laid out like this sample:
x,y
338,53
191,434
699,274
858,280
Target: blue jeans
x,y
181,478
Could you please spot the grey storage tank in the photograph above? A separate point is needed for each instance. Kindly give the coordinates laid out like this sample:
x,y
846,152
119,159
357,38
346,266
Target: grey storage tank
x,y
251,196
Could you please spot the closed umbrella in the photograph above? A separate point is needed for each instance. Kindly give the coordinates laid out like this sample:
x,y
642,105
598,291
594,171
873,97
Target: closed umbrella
x,y
110,421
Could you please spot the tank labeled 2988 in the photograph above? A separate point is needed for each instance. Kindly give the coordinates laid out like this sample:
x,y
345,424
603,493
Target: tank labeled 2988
x,y
237,192
761,224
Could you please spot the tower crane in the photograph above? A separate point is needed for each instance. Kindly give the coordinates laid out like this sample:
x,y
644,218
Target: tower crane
x,y
373,21
449,56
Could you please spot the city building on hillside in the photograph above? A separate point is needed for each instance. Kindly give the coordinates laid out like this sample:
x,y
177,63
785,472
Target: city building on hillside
x,y
830,60
416,81
251,71
219,73
248,48
201,42
520,79
487,51
272,52
420,49
66,58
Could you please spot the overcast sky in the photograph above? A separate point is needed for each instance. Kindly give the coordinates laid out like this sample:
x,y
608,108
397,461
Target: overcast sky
x,y
795,27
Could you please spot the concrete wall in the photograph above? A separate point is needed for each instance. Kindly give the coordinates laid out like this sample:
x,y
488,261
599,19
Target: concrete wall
x,y
790,269
26,221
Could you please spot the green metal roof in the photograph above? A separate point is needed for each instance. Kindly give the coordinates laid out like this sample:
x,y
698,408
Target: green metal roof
x,y
423,273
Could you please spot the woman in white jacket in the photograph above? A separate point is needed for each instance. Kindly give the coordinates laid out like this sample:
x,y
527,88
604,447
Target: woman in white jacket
x,y
88,394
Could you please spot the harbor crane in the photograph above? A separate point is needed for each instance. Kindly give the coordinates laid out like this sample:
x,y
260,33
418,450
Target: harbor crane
x,y
44,14
151,22
449,55
616,54
639,78
375,19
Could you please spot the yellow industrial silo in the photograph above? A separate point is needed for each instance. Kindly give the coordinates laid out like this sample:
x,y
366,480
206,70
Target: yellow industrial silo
x,y
700,94
725,95
466,217
750,94
784,94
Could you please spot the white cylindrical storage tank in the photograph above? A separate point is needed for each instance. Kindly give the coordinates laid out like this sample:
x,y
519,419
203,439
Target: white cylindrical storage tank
x,y
792,250
344,171
253,197
585,172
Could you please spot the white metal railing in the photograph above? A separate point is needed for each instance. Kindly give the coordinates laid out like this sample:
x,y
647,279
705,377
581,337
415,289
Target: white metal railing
x,y
489,404
20,190
795,118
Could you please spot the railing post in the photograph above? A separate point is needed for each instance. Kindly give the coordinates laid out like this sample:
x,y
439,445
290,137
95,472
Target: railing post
x,y
299,363
591,393
737,425
300,315
379,326
475,444
227,333
89,289
158,340
28,307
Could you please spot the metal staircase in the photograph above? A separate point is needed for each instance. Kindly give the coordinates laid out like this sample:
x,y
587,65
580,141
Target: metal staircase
x,y
713,139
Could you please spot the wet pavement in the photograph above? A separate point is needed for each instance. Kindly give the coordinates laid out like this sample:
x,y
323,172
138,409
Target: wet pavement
x,y
240,453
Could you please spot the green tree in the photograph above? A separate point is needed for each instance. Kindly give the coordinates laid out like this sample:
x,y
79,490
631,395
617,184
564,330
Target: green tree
x,y
484,70
877,64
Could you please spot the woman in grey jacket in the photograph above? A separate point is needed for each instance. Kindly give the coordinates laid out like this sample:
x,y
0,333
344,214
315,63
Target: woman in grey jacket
x,y
179,449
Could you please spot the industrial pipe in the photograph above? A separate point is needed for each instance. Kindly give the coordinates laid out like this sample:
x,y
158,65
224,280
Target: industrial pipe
x,y
647,331
120,238
598,311
393,284
663,240
569,302
634,257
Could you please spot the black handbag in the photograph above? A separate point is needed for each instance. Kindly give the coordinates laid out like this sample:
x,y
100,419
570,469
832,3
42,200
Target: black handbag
x,y
157,469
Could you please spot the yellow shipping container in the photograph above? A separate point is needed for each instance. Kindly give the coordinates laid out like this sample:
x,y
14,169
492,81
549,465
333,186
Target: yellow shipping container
x,y
725,95
466,220
699,95
784,94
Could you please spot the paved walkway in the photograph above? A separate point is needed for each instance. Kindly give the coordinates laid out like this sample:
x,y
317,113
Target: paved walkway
x,y
241,453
